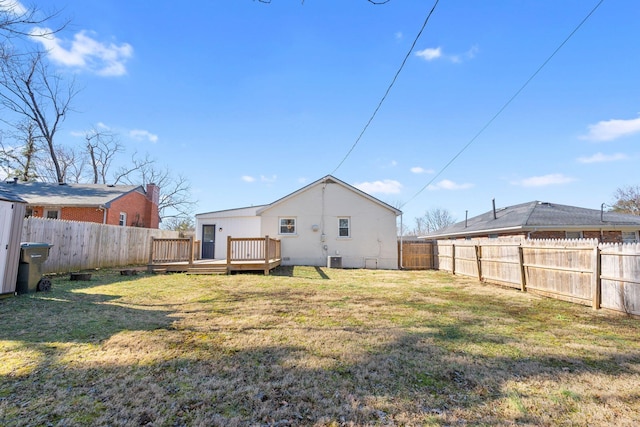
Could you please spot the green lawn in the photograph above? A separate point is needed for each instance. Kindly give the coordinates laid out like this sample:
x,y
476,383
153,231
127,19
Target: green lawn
x,y
311,346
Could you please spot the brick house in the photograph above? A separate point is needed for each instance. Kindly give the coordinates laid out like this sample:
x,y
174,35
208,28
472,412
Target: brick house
x,y
130,205
542,220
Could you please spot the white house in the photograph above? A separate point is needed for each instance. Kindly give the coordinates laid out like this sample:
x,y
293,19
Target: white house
x,y
327,218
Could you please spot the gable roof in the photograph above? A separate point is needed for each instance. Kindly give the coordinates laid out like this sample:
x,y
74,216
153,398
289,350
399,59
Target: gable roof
x,y
76,195
537,216
330,180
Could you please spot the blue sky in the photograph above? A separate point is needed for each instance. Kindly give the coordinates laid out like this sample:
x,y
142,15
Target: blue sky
x,y
251,101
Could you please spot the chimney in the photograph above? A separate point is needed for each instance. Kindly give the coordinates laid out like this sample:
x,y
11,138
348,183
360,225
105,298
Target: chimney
x,y
153,193
494,208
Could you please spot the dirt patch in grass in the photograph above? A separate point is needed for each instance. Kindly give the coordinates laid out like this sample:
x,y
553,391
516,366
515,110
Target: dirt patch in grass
x,y
311,346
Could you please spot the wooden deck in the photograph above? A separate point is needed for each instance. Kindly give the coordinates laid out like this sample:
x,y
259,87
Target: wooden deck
x,y
181,256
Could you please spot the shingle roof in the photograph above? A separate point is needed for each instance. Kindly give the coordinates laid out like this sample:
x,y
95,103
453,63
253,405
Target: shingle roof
x,y
79,195
536,216
7,195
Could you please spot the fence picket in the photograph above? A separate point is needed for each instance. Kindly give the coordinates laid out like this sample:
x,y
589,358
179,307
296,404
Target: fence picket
x,y
87,245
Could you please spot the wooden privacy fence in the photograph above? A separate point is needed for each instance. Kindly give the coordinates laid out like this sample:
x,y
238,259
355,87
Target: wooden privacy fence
x,y
415,255
580,271
86,245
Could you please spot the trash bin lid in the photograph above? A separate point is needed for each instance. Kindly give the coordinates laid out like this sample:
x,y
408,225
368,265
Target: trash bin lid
x,y
34,245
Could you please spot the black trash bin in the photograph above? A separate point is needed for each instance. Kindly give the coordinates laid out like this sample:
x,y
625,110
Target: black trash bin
x,y
32,256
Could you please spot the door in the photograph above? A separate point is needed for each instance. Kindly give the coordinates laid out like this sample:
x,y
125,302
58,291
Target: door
x,y
208,241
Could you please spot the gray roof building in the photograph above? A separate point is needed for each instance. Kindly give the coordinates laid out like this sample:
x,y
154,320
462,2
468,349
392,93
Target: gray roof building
x,y
538,217
75,195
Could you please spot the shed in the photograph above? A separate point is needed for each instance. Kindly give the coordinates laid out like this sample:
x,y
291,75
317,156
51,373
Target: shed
x,y
12,210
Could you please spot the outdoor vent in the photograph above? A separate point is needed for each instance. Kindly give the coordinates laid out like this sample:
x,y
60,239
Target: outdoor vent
x,y
334,262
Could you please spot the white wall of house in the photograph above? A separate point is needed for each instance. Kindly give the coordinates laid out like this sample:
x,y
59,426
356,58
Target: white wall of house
x,y
241,222
317,209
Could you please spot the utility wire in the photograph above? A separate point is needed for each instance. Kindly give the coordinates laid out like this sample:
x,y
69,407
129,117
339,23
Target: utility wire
x,y
506,104
413,45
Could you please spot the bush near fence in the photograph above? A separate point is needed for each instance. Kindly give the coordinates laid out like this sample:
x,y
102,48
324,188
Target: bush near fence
x,y
583,271
87,245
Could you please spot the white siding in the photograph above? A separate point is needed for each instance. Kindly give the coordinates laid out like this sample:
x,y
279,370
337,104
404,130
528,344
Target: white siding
x,y
373,240
235,223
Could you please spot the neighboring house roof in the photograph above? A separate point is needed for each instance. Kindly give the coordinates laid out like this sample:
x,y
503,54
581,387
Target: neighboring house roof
x,y
71,195
8,196
538,216
330,180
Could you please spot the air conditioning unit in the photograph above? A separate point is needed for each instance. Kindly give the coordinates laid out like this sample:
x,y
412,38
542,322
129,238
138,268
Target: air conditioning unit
x,y
334,261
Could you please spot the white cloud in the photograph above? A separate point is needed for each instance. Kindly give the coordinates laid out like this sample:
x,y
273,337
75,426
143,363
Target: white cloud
x,y
419,170
387,186
273,178
429,54
140,134
14,7
608,130
398,35
601,158
85,52
544,180
446,184
247,178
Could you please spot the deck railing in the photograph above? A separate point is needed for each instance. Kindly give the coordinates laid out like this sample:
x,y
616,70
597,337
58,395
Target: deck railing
x,y
174,250
260,249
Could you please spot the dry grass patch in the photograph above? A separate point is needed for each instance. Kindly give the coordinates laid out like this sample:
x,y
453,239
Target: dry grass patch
x,y
311,346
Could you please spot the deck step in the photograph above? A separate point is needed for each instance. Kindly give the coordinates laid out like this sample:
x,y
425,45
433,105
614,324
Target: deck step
x,y
207,271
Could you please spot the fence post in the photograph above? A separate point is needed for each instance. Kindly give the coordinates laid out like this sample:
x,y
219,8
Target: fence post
x,y
228,254
151,254
478,250
453,259
596,280
266,254
523,277
191,252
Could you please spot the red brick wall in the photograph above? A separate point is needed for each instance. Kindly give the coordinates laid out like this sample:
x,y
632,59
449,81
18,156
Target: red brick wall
x,y
73,214
136,206
548,235
139,209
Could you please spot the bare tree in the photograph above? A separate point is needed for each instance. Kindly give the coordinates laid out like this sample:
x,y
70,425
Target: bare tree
x,y
17,20
433,220
175,191
32,92
102,147
19,154
627,200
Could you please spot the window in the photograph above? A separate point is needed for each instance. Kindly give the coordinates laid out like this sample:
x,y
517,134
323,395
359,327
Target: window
x,y
343,227
123,218
28,212
287,226
573,235
51,214
629,237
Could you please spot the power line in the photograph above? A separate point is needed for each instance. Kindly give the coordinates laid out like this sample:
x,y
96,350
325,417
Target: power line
x,y
506,104
413,45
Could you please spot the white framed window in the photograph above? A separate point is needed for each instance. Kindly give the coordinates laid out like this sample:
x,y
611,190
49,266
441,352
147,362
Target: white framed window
x,y
123,218
52,213
287,226
573,235
344,227
629,237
